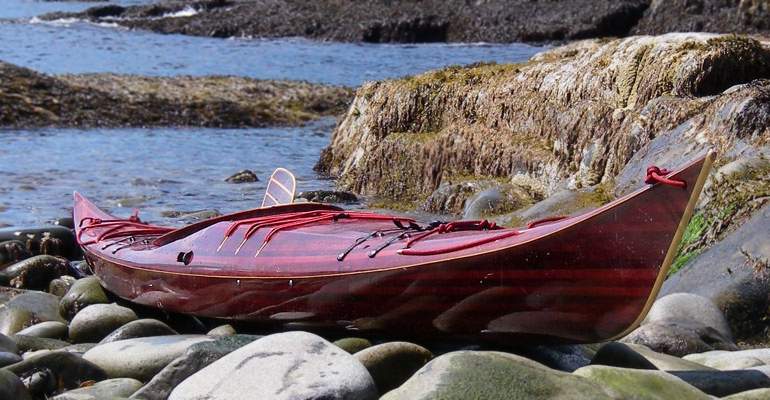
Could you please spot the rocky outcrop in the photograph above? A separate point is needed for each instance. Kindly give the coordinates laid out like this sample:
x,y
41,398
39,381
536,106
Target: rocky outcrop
x,y
571,117
31,99
381,21
744,16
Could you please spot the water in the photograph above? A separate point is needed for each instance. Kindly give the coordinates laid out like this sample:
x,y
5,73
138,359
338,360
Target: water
x,y
179,169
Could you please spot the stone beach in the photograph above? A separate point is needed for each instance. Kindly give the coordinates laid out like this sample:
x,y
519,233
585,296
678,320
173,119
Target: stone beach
x,y
570,129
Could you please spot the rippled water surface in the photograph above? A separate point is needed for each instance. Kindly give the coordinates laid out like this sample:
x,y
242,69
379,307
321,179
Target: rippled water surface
x,y
179,169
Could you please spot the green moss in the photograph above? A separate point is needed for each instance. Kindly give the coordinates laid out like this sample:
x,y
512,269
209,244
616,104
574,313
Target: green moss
x,y
692,234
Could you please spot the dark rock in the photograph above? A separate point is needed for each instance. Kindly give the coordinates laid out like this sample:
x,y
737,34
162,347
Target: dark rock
x,y
391,364
34,273
353,345
12,251
679,338
61,285
245,176
561,357
191,216
724,383
47,329
96,321
141,358
54,371
194,359
33,343
51,240
139,328
66,222
7,358
106,389
12,388
704,16
616,354
302,365
328,196
7,344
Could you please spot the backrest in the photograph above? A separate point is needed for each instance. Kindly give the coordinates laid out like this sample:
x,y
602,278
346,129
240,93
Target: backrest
x,y
280,188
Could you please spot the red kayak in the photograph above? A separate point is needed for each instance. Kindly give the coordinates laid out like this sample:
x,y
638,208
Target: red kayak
x,y
579,279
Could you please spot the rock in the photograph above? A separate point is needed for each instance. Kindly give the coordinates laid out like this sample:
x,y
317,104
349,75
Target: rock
x,y
11,252
80,348
565,358
328,196
7,358
50,240
7,344
26,309
756,394
616,354
302,366
140,358
689,307
391,364
84,292
727,360
11,387
110,388
679,338
191,216
492,375
724,274
34,273
66,222
222,330
139,328
626,383
55,370
33,343
48,329
245,176
194,359
704,16
666,362
96,321
61,285
724,383
353,344
13,320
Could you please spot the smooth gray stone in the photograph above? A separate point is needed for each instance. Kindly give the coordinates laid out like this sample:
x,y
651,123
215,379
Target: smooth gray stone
x,y
47,329
7,358
61,285
724,383
679,338
391,364
139,328
352,344
27,308
665,362
291,365
34,343
726,360
83,293
8,344
614,354
106,389
141,358
689,307
96,321
52,370
193,360
565,358
11,387
222,330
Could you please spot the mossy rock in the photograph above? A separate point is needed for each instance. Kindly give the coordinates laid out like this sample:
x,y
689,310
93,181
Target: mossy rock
x,y
639,384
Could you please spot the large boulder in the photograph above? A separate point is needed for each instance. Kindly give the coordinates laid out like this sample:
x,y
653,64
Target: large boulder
x,y
301,366
493,375
96,321
140,358
692,308
626,383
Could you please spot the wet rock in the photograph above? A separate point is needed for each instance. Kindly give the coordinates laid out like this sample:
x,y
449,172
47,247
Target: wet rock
x,y
194,359
640,384
106,389
34,273
61,285
679,338
140,358
724,383
48,329
492,375
96,321
692,308
7,358
302,365
33,343
27,308
328,196
222,330
756,394
666,362
51,240
11,387
727,360
245,176
616,354
55,370
353,344
391,364
83,293
12,251
7,344
139,328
